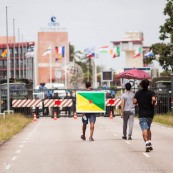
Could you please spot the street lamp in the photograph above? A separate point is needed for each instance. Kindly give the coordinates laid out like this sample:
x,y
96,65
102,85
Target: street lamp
x,y
8,62
14,50
19,52
25,59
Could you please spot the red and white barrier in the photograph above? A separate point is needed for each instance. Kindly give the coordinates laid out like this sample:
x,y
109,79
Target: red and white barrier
x,y
113,102
56,103
47,103
26,103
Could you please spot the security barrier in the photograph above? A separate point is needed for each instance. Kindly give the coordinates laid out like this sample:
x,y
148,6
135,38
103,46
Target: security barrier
x,y
35,105
46,102
112,105
24,102
62,104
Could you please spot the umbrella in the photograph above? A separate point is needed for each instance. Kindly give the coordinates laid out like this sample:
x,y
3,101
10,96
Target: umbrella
x,y
134,74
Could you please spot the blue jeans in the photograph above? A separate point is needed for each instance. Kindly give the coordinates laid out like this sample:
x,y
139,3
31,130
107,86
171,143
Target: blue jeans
x,y
145,123
89,116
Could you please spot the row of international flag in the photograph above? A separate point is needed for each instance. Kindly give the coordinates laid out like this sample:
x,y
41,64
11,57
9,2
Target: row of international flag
x,y
90,52
115,52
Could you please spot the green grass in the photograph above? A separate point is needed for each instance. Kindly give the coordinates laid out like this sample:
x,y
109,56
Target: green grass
x,y
11,125
166,119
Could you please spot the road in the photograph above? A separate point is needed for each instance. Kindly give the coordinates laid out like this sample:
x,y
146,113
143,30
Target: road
x,y
54,146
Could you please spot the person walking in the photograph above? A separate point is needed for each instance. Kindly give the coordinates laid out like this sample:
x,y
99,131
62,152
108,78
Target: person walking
x,y
127,111
56,109
146,101
67,109
73,108
88,116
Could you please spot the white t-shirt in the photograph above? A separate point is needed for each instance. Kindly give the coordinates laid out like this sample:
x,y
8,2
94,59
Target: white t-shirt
x,y
128,101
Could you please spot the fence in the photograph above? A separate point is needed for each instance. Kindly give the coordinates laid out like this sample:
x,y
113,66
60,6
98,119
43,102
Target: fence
x,y
24,101
163,102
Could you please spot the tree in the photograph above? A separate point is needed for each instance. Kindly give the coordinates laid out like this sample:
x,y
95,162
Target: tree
x,y
164,51
74,55
83,61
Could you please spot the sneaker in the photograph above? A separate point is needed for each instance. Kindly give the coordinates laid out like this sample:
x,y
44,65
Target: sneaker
x,y
148,147
124,137
83,138
91,139
129,138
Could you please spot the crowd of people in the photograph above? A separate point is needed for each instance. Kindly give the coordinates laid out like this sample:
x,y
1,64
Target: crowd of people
x,y
144,99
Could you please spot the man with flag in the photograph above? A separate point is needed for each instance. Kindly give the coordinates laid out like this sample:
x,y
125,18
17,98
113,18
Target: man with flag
x,y
88,116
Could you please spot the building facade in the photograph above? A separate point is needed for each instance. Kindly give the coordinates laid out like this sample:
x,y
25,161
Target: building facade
x,y
131,44
52,57
21,59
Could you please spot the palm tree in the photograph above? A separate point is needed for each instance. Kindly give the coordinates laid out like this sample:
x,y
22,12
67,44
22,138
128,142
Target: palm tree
x,y
83,61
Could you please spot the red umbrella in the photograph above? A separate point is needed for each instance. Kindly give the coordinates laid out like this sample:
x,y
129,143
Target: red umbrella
x,y
134,74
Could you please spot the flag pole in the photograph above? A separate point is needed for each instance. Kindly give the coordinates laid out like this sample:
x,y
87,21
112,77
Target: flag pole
x,y
50,65
14,51
95,70
65,68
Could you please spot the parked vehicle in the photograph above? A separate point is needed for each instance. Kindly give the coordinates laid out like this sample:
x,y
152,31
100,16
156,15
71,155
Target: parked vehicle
x,y
163,86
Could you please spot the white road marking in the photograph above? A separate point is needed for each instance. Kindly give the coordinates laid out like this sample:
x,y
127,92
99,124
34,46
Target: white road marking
x,y
155,125
127,142
14,158
18,151
115,134
169,128
7,166
145,154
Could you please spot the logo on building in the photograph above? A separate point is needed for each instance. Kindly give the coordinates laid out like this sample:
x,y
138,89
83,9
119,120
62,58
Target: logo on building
x,y
53,22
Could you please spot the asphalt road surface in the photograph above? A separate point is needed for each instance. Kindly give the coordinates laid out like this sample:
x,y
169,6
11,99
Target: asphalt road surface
x,y
54,146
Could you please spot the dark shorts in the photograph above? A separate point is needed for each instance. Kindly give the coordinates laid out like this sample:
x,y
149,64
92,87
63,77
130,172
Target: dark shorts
x,y
145,123
91,117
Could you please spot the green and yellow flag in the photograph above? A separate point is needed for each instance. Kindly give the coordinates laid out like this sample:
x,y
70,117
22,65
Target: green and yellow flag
x,y
90,101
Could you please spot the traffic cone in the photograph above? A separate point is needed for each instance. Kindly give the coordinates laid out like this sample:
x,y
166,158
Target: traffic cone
x,y
55,117
111,116
75,115
35,118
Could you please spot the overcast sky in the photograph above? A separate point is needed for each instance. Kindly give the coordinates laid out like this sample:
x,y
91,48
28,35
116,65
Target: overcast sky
x,y
88,22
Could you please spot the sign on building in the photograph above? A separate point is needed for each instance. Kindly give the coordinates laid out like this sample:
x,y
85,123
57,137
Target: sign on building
x,y
107,76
